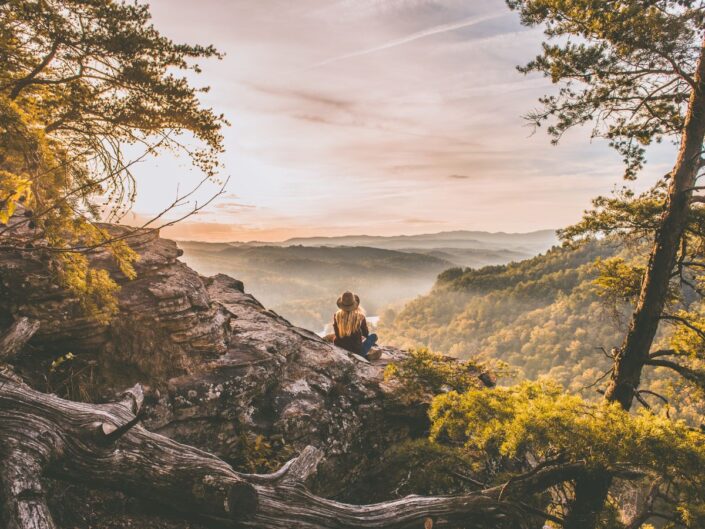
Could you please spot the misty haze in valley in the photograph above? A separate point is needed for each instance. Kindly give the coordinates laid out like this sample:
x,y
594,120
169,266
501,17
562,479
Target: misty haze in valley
x,y
301,278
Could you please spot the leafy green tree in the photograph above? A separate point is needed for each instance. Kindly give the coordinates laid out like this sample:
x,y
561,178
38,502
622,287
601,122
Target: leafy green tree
x,y
425,373
539,447
572,438
82,84
634,70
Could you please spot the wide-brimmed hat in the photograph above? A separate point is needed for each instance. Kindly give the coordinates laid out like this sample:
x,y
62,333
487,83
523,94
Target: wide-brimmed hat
x,y
348,301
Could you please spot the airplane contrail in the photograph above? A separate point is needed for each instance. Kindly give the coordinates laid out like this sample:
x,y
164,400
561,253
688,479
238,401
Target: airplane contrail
x,y
467,22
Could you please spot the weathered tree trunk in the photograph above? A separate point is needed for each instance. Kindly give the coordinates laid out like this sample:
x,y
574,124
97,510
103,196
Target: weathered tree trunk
x,y
591,493
16,337
102,445
654,288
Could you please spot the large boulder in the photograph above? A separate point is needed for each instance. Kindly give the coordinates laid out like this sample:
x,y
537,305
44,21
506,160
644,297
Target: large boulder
x,y
223,373
278,388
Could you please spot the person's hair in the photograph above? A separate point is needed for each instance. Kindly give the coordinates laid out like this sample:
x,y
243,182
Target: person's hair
x,y
349,321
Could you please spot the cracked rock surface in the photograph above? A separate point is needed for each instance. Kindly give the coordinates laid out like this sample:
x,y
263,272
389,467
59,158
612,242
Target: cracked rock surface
x,y
223,373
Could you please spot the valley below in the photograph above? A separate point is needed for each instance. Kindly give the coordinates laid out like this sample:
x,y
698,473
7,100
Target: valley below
x,y
300,279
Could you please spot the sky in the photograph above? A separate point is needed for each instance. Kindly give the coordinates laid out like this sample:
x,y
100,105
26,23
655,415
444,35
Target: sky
x,y
376,117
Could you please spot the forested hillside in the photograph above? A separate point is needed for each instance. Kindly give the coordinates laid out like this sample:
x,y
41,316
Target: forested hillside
x,y
302,283
301,278
542,316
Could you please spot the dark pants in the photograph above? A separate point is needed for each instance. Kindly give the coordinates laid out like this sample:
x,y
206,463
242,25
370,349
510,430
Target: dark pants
x,y
368,343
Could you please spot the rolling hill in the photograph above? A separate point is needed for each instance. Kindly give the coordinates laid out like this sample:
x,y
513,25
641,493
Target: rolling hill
x,y
542,316
301,278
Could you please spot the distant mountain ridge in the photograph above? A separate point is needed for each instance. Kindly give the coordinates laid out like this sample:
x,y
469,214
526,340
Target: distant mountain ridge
x,y
467,236
450,239
300,278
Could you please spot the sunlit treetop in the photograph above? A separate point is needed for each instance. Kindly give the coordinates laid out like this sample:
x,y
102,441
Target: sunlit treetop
x,y
625,67
540,421
81,81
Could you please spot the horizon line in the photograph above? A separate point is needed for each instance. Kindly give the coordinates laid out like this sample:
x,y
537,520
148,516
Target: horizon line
x,y
330,237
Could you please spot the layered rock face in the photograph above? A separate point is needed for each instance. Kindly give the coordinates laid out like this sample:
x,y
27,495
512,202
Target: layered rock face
x,y
166,324
224,373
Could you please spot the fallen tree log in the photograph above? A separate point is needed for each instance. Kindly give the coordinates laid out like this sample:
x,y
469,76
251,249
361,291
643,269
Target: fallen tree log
x,y
103,445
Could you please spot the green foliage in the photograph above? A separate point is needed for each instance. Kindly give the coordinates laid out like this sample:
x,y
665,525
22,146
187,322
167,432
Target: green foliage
x,y
82,81
618,284
56,363
689,340
540,419
14,189
424,373
95,289
625,214
618,280
624,67
542,316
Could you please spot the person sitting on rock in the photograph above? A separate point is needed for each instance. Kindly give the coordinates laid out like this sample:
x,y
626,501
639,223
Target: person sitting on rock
x,y
350,326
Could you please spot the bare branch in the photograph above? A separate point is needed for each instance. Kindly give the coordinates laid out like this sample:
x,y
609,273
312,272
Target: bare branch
x,y
29,78
663,352
696,377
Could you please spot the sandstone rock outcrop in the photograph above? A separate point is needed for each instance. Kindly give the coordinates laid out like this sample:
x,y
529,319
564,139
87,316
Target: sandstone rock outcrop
x,y
166,323
225,374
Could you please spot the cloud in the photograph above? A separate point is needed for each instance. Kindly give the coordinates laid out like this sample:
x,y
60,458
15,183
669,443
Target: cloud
x,y
430,135
435,30
422,221
232,205
303,95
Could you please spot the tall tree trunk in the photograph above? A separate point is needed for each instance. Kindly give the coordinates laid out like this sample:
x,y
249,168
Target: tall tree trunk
x,y
591,492
590,495
654,287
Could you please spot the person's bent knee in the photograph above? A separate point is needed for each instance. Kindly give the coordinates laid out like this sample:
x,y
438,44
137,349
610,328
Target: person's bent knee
x,y
373,338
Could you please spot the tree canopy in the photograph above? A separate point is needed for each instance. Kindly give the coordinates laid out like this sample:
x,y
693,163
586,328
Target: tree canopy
x,y
84,86
626,68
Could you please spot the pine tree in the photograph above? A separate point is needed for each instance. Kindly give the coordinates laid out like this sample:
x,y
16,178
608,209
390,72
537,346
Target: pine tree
x,y
82,83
